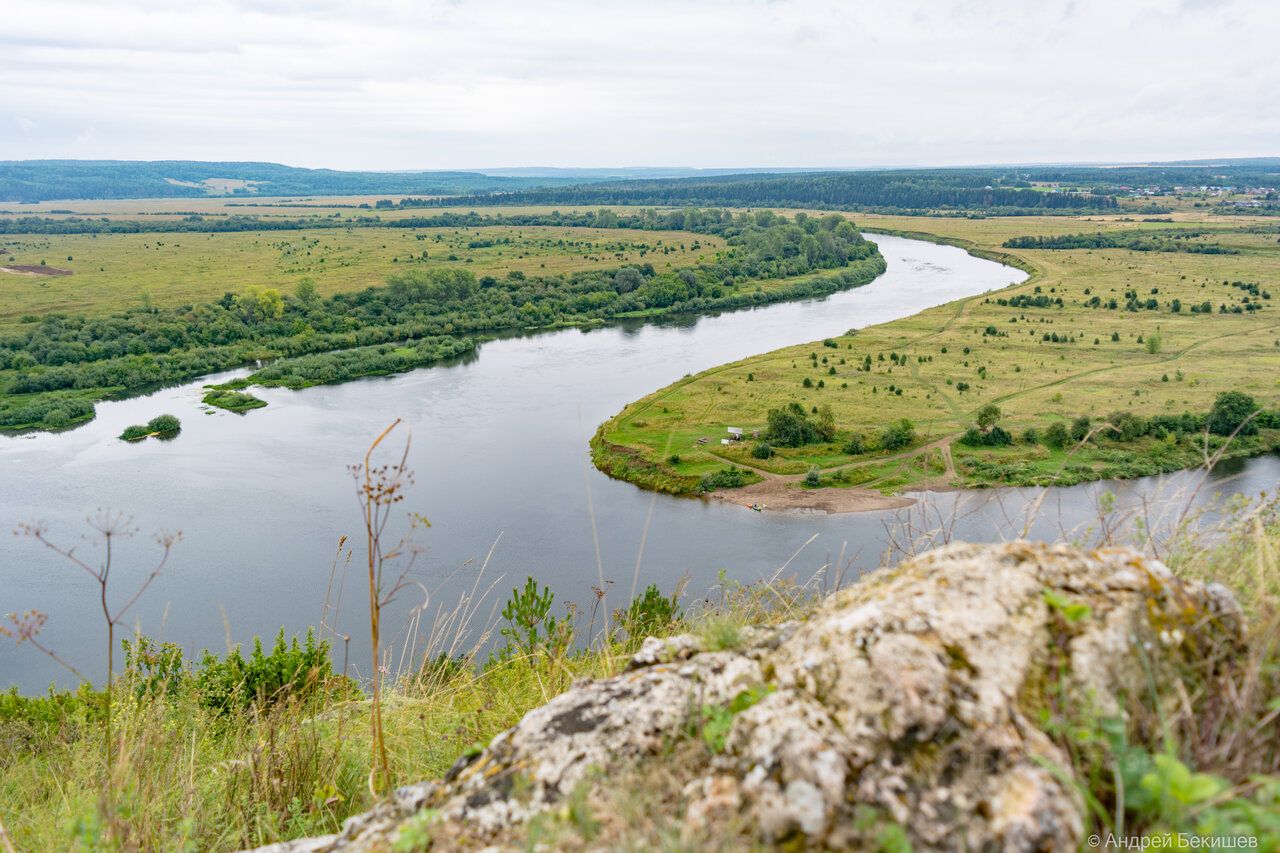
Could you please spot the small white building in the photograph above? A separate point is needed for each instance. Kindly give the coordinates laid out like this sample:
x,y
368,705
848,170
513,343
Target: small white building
x,y
735,434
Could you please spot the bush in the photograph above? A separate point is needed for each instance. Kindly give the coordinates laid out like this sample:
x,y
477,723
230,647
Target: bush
x,y
530,627
854,445
292,670
135,432
762,451
813,479
726,478
898,435
649,615
164,425
994,437
1056,435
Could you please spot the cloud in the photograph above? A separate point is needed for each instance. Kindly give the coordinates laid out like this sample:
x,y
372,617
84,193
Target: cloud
x,y
467,83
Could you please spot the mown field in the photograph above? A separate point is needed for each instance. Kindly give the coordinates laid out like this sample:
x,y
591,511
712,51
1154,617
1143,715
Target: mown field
x,y
1038,361
115,271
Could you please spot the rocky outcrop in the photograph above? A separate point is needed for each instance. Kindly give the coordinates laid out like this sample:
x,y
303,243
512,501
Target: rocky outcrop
x,y
912,696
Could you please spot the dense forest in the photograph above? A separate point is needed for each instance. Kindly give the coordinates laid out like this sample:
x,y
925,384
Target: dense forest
x,y
43,180
888,191
52,370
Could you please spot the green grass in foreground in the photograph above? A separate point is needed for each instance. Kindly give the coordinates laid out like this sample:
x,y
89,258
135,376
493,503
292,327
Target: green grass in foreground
x,y
1091,332
239,751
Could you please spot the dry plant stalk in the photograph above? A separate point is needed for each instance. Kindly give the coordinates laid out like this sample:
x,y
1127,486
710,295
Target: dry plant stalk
x,y
379,489
110,527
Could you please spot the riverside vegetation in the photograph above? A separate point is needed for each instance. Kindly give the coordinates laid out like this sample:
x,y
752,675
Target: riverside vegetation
x,y
237,750
53,369
1110,360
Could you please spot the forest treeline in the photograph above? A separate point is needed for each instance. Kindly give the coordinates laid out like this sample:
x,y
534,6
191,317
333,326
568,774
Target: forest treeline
x,y
887,191
52,370
1136,241
696,220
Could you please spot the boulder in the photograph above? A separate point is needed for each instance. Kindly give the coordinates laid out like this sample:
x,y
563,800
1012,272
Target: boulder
x,y
912,696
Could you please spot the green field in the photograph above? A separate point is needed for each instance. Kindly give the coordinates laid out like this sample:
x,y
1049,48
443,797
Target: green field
x,y
1039,365
115,271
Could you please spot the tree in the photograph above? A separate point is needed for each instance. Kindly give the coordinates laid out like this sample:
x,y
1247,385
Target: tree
x,y
627,279
825,423
987,416
260,303
306,293
1080,428
1233,413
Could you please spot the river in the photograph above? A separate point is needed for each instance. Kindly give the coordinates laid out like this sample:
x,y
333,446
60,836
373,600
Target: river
x,y
500,456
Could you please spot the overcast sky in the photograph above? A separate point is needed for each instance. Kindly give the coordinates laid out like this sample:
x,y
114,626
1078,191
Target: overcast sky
x,y
484,83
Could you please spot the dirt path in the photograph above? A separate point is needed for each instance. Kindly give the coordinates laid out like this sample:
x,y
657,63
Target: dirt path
x,y
31,269
779,493
783,492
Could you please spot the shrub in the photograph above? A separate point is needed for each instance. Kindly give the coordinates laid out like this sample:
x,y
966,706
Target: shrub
x,y
530,627
292,670
994,437
898,435
164,425
135,432
1056,435
762,450
813,479
651,614
854,445
726,478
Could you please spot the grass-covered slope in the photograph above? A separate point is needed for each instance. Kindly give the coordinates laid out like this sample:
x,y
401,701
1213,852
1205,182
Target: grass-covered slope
x,y
1143,337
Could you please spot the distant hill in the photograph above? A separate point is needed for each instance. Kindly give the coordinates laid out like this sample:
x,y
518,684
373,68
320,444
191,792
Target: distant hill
x,y
582,174
1028,188
45,180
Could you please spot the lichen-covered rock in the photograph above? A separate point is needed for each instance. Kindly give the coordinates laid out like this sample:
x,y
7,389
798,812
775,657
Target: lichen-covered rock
x,y
911,694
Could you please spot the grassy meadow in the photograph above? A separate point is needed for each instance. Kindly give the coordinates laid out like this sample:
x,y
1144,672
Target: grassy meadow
x,y
115,271
1039,363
